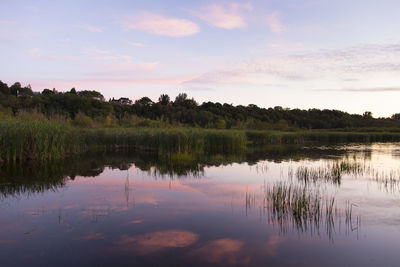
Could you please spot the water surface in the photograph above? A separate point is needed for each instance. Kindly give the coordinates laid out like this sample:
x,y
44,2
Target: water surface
x,y
181,210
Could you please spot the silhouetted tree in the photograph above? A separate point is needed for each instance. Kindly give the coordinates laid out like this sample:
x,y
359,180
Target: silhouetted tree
x,y
164,99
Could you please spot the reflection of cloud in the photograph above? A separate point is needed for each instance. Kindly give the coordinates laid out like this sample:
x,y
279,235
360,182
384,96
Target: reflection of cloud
x,y
221,251
272,245
224,16
90,237
156,241
6,242
137,221
156,24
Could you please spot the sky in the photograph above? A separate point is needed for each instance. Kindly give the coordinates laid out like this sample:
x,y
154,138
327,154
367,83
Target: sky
x,y
327,54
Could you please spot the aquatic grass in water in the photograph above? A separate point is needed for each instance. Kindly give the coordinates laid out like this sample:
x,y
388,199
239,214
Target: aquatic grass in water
x,y
331,174
305,208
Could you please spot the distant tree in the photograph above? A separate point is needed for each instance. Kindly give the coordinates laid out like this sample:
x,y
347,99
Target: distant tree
x,y
183,100
396,116
367,114
47,92
73,91
14,89
90,94
164,99
4,88
144,101
180,99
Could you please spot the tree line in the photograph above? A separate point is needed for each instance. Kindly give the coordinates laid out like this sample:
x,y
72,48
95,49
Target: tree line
x,y
90,107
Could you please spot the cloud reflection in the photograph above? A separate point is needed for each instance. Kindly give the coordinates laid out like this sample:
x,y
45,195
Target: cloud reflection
x,y
224,250
272,245
157,241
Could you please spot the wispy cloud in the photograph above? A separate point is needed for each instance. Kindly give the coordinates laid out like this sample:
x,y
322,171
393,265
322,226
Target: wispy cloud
x,y
101,54
37,53
369,66
229,16
137,44
94,50
91,28
32,8
7,22
274,23
159,25
371,90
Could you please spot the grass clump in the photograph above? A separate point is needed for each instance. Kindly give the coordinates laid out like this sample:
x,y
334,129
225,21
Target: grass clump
x,y
38,139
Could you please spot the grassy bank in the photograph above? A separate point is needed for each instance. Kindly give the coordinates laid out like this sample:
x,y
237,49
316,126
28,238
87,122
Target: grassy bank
x,y
43,139
40,140
301,137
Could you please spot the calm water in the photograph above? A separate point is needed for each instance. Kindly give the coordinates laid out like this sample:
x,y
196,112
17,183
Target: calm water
x,y
149,210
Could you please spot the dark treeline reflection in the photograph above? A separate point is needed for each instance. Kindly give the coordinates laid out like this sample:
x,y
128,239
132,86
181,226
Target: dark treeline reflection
x,y
38,177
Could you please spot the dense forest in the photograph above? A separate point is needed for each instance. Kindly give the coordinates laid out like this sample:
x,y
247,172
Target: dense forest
x,y
89,108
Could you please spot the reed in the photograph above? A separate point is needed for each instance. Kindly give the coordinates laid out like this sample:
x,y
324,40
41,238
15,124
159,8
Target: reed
x,y
39,139
331,174
332,136
43,140
167,140
302,206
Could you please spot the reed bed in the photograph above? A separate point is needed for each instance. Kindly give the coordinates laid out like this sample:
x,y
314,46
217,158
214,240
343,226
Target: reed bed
x,y
44,140
301,137
20,140
168,140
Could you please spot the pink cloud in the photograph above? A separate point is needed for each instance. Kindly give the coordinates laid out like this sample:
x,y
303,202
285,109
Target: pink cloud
x,y
101,83
156,24
7,22
91,28
224,16
275,24
137,44
39,54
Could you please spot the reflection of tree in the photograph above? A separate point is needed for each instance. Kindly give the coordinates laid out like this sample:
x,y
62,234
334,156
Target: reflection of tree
x,y
37,177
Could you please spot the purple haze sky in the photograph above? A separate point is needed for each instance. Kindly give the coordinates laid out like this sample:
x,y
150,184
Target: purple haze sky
x,y
335,54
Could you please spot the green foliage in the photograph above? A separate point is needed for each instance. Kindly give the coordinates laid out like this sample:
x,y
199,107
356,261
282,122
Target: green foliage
x,y
183,111
38,139
82,120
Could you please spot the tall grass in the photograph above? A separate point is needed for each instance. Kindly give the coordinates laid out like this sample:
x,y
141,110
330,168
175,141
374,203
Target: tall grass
x,y
301,137
42,139
39,139
167,140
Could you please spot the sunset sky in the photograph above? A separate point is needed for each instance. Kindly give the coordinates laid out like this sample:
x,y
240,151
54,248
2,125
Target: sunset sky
x,y
335,54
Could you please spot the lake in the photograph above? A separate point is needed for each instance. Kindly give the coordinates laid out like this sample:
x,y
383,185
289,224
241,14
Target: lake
x,y
285,206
